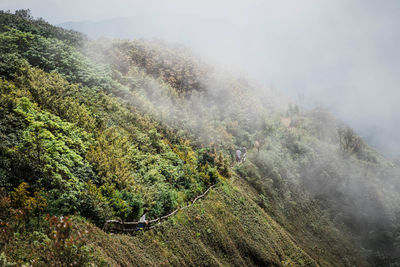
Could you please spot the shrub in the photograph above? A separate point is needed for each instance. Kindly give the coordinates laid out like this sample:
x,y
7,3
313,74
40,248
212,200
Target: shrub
x,y
213,175
166,203
94,205
4,262
134,203
223,166
204,157
124,204
349,141
66,246
25,205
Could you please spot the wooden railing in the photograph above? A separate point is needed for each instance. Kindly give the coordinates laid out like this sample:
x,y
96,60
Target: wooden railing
x,y
127,226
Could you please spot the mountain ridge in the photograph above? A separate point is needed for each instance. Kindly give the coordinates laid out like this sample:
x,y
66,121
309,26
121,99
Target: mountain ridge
x,y
99,130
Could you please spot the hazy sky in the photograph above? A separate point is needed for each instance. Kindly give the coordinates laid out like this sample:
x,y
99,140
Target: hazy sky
x,y
342,54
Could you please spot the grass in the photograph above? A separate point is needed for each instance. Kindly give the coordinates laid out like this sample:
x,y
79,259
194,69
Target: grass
x,y
226,228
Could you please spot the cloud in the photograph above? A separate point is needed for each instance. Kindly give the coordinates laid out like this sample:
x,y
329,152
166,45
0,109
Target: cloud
x,y
341,54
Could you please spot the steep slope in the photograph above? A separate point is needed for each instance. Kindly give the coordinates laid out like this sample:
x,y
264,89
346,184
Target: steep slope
x,y
229,229
110,129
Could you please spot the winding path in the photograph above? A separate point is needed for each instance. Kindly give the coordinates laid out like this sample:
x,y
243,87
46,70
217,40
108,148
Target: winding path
x,y
150,222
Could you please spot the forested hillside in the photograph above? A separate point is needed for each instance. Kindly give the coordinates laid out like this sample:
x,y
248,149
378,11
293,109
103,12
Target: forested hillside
x,y
97,130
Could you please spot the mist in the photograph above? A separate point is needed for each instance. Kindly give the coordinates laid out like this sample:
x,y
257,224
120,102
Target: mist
x,y
342,55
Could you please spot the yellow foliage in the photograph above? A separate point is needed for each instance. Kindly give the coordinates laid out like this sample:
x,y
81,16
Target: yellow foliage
x,y
26,204
111,157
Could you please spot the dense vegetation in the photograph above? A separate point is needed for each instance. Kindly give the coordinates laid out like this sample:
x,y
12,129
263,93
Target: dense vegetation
x,y
110,129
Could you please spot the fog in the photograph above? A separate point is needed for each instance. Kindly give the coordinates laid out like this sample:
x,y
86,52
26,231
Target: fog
x,y
340,54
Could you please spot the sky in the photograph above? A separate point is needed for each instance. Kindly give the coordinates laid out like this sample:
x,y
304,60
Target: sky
x,y
344,55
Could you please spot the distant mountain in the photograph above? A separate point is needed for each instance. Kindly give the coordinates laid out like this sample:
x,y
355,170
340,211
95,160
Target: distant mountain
x,y
183,28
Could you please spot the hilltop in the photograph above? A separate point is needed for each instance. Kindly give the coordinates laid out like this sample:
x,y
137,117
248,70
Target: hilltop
x,y
94,130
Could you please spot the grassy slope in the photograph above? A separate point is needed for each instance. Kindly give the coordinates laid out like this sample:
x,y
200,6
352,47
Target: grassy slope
x,y
227,228
185,240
